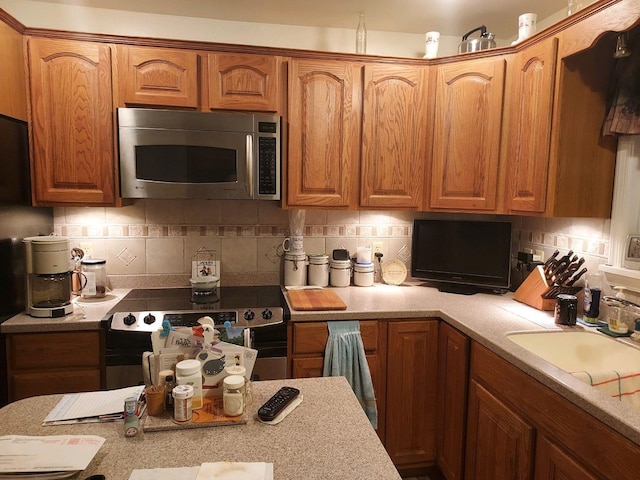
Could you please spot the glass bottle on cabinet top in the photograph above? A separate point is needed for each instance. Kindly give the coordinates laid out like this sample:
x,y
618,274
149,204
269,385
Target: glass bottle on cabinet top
x,y
361,36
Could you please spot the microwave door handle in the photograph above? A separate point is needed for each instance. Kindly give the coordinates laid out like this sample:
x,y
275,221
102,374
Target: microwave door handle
x,y
249,162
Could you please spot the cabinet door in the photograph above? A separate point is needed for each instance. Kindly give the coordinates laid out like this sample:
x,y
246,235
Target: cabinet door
x,y
499,443
466,139
412,356
324,138
159,77
12,75
552,463
394,135
72,122
453,381
528,130
244,82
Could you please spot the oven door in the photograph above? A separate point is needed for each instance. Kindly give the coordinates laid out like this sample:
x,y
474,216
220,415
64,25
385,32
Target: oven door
x,y
271,344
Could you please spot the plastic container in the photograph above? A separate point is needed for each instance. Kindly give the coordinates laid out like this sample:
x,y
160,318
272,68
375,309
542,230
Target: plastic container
x,y
233,395
183,403
363,274
95,272
318,270
340,273
189,372
295,269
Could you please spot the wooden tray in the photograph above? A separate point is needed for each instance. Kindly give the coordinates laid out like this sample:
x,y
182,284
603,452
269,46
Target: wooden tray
x,y
315,300
210,415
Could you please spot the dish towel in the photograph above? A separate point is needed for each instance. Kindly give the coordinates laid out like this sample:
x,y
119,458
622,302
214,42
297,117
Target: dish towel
x,y
623,386
344,356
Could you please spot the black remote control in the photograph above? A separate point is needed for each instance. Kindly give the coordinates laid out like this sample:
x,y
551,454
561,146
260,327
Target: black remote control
x,y
276,404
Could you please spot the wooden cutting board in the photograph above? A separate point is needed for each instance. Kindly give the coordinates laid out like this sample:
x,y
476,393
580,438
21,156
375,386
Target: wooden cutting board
x,y
315,300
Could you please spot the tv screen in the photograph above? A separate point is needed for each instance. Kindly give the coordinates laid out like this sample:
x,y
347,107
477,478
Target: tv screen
x,y
462,256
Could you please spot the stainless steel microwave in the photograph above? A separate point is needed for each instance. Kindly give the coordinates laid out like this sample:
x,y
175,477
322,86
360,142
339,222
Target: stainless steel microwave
x,y
179,154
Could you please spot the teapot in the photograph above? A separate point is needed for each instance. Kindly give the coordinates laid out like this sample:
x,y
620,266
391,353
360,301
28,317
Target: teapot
x,y
484,42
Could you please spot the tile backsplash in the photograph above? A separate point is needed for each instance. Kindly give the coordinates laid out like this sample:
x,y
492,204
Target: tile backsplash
x,y
152,242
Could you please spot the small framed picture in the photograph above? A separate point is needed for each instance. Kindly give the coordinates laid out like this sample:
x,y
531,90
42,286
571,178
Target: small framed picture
x,y
632,252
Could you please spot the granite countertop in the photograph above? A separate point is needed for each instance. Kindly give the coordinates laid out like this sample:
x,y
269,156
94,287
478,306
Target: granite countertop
x,y
328,436
485,318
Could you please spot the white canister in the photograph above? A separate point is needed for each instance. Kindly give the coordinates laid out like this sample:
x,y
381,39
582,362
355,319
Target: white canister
x,y
295,269
319,270
363,274
340,273
189,372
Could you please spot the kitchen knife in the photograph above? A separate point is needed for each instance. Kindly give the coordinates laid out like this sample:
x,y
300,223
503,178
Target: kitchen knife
x,y
576,277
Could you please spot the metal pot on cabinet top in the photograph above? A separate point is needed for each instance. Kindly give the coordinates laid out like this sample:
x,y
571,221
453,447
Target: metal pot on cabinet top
x,y
484,42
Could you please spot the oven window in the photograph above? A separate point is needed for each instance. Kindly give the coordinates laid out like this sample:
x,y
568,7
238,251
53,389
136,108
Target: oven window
x,y
186,164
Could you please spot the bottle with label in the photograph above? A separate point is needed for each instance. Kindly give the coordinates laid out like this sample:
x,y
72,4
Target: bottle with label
x,y
592,293
169,385
189,372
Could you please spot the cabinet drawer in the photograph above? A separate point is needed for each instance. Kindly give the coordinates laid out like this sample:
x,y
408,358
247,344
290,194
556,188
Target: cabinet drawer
x,y
312,337
38,351
29,384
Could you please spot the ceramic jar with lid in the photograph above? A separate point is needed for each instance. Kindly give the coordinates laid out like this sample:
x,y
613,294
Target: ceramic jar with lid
x,y
295,269
318,270
363,274
340,273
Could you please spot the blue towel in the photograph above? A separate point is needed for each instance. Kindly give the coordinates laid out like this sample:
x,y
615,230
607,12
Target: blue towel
x,y
344,356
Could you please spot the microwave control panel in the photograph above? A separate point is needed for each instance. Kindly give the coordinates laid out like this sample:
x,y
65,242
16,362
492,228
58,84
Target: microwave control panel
x,y
267,172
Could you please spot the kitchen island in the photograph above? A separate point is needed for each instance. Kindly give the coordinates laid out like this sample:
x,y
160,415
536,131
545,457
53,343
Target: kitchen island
x,y
328,436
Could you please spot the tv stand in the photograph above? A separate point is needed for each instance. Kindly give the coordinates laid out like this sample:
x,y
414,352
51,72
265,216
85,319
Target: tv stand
x,y
458,288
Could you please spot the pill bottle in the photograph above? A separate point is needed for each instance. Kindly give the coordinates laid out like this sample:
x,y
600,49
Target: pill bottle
x,y
189,372
340,273
95,275
182,403
363,274
318,270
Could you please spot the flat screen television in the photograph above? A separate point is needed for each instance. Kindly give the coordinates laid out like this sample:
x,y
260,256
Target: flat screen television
x,y
462,256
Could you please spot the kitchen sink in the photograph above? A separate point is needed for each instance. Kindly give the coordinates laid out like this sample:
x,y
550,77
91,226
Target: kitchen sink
x,y
579,351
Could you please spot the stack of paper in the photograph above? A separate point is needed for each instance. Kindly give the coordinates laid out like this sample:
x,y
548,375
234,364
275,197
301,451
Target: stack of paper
x,y
47,457
209,471
101,406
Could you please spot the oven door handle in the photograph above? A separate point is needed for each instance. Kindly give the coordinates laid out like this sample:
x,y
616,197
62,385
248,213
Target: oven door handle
x,y
247,338
249,165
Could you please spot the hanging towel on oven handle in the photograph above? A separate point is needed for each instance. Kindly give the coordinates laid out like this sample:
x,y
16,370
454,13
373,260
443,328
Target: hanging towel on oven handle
x,y
345,356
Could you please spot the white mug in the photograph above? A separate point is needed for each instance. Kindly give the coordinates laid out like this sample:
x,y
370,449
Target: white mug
x,y
526,25
431,46
293,244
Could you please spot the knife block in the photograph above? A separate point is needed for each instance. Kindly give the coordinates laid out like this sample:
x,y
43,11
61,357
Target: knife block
x,y
533,288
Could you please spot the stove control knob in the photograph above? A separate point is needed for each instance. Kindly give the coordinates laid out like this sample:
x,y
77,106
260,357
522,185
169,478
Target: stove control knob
x,y
149,319
267,314
249,315
129,319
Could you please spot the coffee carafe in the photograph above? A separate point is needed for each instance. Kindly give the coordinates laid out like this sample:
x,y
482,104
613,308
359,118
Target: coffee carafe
x,y
48,276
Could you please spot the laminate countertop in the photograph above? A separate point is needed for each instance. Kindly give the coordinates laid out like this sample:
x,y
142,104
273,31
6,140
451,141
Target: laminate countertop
x,y
328,436
486,318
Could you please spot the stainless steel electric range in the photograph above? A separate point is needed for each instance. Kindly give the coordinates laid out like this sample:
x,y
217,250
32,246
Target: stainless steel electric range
x,y
262,310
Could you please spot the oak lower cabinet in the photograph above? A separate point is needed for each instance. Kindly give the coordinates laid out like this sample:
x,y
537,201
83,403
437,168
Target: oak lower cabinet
x,y
452,390
54,362
466,135
402,357
517,428
324,107
72,122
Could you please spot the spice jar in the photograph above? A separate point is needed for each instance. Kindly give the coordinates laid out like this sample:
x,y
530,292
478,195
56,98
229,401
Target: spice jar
x,y
96,278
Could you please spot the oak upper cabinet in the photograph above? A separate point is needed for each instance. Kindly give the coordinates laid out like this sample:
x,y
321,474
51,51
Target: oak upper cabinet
x,y
451,412
13,101
529,100
243,82
466,135
158,77
394,136
324,133
73,159
412,363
